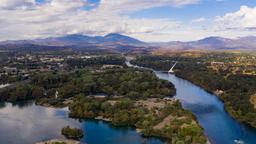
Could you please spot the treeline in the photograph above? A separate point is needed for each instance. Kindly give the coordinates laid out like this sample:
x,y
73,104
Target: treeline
x,y
21,93
126,112
126,82
72,133
161,63
52,80
94,61
4,79
41,86
238,88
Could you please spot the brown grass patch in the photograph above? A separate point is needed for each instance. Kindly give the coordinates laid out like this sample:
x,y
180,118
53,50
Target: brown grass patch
x,y
253,100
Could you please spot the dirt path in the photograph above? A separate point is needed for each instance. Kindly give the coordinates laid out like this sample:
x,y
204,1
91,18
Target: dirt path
x,y
165,122
153,103
253,100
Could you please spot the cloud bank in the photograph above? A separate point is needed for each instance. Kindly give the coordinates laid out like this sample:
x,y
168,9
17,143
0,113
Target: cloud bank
x,y
29,19
245,18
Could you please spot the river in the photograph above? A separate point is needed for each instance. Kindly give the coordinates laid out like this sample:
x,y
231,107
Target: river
x,y
26,123
219,126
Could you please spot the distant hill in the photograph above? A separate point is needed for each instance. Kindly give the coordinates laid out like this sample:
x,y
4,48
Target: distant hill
x,y
126,43
80,40
113,37
214,43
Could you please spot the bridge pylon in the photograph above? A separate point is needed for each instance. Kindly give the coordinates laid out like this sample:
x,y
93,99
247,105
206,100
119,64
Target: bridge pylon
x,y
171,70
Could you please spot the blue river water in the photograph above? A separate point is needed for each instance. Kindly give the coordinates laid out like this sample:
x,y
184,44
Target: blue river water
x,y
26,123
218,125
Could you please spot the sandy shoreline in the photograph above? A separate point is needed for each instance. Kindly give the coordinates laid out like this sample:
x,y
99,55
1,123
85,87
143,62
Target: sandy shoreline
x,y
59,141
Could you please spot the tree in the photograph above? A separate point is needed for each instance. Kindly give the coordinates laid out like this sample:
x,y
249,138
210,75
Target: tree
x,y
72,133
38,92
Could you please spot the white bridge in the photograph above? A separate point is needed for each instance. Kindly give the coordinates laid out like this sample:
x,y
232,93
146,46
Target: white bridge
x,y
171,70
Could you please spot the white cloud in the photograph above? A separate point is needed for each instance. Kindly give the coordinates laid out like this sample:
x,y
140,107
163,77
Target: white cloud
x,y
123,6
243,19
61,17
199,20
10,4
65,5
26,19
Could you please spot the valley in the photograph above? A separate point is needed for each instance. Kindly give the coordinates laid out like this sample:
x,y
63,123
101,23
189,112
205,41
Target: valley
x,y
128,71
101,84
103,87
231,76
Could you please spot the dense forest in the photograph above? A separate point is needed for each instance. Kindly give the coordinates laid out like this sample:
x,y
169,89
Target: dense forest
x,y
21,93
180,128
127,82
4,79
121,87
94,61
72,133
237,87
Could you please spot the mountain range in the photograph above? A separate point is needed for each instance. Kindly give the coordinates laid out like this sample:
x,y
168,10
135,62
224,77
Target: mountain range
x,y
115,40
79,39
215,43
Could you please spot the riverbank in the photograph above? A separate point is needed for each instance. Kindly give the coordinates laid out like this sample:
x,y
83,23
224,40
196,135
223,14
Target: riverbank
x,y
142,104
208,108
222,96
153,117
31,123
214,73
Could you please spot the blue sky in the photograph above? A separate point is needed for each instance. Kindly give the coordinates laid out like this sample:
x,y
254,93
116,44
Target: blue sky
x,y
148,20
206,8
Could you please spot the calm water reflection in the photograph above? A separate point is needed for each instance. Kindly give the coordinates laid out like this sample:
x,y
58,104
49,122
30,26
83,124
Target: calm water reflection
x,y
102,133
26,123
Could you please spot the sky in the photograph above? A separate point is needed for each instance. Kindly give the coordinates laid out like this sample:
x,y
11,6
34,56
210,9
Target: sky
x,y
147,20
